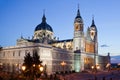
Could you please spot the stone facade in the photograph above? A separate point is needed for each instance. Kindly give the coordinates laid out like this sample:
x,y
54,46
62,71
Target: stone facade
x,y
13,57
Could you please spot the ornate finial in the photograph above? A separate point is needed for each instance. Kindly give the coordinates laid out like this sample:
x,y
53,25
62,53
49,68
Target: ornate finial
x,y
44,18
93,23
78,5
92,17
78,12
93,20
44,11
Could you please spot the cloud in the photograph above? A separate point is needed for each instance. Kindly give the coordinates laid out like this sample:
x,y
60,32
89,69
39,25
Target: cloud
x,y
115,59
104,45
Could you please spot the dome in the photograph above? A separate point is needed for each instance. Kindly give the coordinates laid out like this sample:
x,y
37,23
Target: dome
x,y
44,25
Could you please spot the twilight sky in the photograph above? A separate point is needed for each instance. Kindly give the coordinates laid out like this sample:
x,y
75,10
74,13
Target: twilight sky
x,y
20,17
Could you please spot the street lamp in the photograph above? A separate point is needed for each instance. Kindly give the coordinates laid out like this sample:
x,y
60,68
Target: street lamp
x,y
23,68
98,67
92,67
63,64
108,66
41,68
33,65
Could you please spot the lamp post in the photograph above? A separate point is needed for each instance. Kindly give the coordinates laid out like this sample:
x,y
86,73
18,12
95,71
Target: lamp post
x,y
95,60
23,69
63,65
41,68
98,67
33,65
92,68
108,66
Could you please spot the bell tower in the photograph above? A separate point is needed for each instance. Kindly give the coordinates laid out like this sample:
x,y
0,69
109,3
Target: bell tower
x,y
78,40
93,35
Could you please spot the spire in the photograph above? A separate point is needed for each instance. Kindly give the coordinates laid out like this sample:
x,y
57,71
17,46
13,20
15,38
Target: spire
x,y
78,18
44,18
93,23
78,12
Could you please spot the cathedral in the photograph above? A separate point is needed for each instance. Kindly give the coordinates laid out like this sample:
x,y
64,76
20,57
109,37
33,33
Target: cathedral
x,y
78,54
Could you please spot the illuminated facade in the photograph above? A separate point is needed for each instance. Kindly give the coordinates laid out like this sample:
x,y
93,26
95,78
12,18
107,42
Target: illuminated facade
x,y
77,53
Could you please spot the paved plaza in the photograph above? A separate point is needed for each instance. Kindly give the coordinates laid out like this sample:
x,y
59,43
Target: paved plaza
x,y
104,75
101,75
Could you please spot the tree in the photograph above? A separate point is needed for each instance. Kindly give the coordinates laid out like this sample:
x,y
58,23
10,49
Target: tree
x,y
28,61
28,64
37,64
32,64
36,59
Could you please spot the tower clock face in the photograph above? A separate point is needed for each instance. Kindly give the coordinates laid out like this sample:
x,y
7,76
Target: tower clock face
x,y
77,28
92,34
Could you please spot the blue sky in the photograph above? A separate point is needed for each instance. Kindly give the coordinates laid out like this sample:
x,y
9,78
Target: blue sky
x,y
20,17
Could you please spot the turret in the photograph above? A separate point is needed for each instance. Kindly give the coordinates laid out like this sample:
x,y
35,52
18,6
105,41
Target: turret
x,y
78,23
93,35
78,33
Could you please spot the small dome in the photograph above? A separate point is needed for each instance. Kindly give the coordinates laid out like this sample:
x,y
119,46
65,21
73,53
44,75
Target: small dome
x,y
44,25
